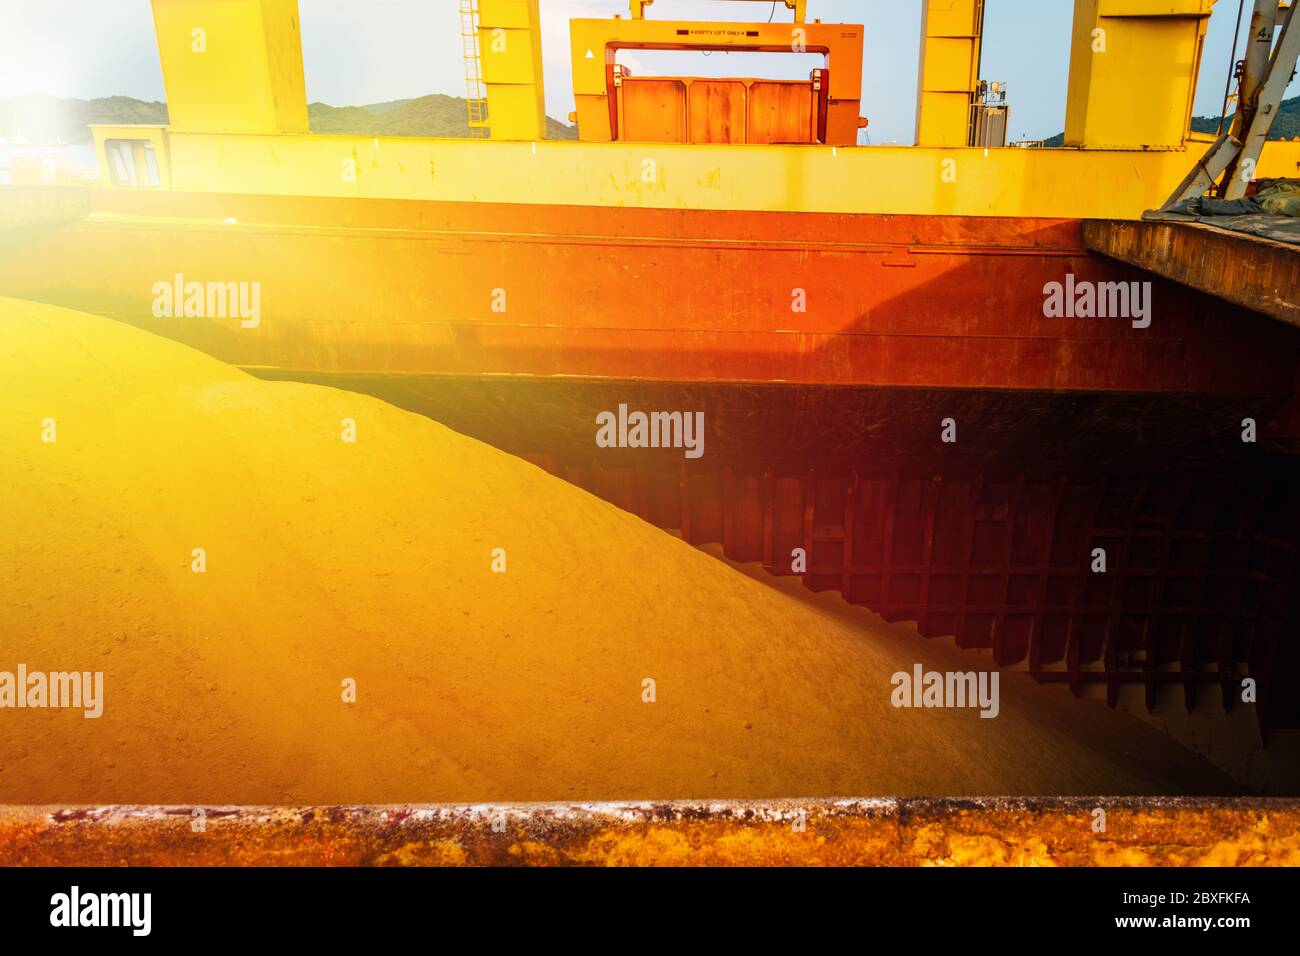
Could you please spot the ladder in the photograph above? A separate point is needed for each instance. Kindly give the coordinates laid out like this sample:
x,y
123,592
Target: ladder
x,y
476,105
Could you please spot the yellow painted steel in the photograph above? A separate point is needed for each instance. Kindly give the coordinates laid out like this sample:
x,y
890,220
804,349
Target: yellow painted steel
x,y
638,8
594,44
1133,70
510,45
238,118
232,66
949,70
880,179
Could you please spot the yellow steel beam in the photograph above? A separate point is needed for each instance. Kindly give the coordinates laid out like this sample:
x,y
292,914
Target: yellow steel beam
x,y
510,46
232,66
1133,70
881,179
949,70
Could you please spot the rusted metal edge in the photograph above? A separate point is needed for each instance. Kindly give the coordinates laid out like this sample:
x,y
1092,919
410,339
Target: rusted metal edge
x,y
1251,271
1076,831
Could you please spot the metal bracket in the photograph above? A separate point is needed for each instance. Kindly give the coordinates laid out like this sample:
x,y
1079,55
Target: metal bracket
x,y
1280,69
1207,170
1227,151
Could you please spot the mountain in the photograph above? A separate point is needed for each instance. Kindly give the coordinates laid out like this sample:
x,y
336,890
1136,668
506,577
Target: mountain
x,y
1286,126
433,115
44,119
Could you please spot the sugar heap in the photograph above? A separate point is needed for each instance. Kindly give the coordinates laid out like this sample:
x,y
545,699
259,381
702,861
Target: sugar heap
x,y
282,615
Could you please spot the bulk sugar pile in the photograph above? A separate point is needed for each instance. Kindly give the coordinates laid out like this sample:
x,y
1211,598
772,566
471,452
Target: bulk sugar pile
x,y
284,615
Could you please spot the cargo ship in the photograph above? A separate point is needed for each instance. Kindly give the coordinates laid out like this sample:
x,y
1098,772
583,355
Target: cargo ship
x,y
924,378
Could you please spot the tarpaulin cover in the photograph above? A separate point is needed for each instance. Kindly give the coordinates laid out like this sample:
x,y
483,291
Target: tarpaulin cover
x,y
1273,212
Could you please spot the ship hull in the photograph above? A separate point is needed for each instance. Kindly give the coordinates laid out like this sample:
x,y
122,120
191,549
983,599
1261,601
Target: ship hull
x,y
887,407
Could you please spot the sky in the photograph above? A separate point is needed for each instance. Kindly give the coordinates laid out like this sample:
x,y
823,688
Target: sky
x,y
367,51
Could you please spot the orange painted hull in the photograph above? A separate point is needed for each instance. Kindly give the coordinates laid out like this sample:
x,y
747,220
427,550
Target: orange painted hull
x,y
661,295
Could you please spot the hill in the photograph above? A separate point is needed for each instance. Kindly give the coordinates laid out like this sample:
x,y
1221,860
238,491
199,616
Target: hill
x,y
44,119
432,115
47,120
1286,126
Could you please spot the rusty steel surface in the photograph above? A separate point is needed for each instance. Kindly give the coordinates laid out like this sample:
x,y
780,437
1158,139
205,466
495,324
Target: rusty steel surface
x,y
1138,831
404,287
1261,274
